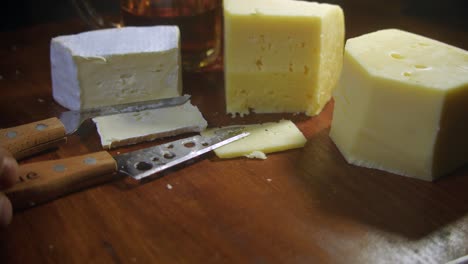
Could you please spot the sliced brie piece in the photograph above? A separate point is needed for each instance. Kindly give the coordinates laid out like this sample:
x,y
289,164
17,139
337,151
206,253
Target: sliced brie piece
x,y
132,128
115,66
264,138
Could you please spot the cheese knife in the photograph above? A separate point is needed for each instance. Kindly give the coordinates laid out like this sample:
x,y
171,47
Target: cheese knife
x,y
41,182
32,138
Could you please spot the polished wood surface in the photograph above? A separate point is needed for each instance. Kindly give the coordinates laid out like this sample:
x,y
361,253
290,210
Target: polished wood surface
x,y
300,206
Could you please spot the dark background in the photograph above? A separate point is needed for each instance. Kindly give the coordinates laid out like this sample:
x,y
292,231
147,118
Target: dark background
x,y
23,13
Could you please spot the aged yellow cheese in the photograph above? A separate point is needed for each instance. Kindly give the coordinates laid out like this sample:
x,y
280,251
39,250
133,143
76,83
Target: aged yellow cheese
x,y
264,138
281,55
402,104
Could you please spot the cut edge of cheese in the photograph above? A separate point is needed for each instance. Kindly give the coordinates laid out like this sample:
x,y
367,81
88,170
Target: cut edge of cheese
x,y
115,66
331,65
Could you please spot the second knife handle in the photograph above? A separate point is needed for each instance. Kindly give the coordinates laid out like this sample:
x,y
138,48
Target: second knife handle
x,y
47,180
28,139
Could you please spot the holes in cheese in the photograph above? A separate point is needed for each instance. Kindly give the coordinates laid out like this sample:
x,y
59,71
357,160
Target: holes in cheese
x,y
405,113
281,56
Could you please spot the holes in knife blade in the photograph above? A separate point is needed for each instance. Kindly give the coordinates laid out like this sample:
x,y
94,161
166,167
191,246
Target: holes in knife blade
x,y
205,144
189,144
169,155
170,146
143,166
158,161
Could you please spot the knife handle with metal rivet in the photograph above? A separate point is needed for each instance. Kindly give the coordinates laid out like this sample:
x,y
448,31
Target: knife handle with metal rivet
x,y
28,139
44,181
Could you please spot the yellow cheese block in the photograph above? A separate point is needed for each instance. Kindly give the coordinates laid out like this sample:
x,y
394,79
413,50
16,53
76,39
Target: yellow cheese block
x,y
281,55
402,104
263,138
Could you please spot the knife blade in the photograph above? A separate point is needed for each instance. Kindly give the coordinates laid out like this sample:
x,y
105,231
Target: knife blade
x,y
41,182
32,138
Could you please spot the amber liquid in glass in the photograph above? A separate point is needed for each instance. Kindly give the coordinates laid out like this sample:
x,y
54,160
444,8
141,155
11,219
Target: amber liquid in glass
x,y
199,22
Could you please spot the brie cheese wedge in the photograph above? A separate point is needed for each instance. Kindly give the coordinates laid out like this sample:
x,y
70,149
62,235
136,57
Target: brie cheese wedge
x,y
116,66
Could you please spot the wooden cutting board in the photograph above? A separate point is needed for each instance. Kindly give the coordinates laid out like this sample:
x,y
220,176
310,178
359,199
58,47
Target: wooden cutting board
x,y
300,206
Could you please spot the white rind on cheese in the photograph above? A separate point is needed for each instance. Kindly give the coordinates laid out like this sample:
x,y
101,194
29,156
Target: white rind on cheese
x,y
402,104
290,59
115,66
263,139
131,128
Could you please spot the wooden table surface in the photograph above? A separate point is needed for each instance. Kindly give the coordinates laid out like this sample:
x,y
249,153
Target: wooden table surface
x,y
300,206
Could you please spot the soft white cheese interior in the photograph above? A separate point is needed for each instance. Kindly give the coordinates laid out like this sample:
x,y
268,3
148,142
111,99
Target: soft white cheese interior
x,y
115,66
130,128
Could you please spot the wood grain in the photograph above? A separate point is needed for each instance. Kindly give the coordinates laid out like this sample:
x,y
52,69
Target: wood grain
x,y
44,181
300,206
28,139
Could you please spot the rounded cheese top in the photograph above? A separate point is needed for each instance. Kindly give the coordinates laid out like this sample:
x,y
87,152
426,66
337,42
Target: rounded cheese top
x,y
105,42
402,56
277,7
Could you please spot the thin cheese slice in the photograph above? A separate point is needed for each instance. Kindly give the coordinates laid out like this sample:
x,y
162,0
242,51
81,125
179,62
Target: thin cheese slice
x,y
263,138
132,128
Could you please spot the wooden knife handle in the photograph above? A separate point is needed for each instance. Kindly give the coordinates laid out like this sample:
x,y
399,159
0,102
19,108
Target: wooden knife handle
x,y
28,139
44,181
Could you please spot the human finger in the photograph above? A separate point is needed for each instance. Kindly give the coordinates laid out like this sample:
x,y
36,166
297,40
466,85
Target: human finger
x,y
6,211
8,169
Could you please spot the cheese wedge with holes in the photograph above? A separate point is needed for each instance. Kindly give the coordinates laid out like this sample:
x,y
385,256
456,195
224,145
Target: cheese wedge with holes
x,y
281,55
131,128
116,66
402,104
263,139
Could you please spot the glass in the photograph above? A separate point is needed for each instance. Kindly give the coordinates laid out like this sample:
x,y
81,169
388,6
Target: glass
x,y
199,22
